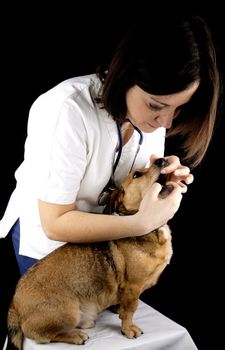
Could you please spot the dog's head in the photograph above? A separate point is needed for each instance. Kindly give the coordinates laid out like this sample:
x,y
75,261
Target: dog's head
x,y
126,199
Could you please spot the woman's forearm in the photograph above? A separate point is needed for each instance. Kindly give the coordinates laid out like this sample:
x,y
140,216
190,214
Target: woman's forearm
x,y
64,223
77,226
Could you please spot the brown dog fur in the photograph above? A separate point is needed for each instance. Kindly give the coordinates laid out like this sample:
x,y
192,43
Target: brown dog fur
x,y
66,290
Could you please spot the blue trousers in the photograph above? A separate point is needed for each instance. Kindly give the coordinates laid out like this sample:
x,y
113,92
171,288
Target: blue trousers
x,y
24,262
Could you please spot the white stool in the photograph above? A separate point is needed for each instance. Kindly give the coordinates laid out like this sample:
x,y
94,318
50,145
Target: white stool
x,y
159,333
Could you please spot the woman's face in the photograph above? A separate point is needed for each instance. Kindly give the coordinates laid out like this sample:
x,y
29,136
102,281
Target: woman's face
x,y
149,112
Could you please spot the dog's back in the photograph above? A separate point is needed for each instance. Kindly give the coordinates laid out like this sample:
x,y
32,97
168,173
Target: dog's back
x,y
70,286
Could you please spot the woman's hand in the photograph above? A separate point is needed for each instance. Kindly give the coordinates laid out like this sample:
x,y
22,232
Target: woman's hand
x,y
176,172
155,211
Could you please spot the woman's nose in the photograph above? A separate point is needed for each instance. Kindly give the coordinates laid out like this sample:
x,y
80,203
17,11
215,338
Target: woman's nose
x,y
165,119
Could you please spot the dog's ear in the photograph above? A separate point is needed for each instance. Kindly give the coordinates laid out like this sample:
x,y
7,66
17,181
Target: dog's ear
x,y
112,204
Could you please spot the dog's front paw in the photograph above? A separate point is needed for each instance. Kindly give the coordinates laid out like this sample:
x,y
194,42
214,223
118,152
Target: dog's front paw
x,y
132,331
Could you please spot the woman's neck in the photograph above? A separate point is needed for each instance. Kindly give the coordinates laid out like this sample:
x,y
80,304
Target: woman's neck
x,y
127,130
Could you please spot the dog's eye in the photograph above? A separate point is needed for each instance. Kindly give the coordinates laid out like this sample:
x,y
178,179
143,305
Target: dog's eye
x,y
137,174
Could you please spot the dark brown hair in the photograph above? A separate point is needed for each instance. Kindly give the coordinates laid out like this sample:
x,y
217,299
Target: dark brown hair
x,y
162,57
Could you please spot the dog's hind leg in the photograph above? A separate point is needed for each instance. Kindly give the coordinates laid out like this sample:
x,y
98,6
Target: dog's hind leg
x,y
55,324
74,336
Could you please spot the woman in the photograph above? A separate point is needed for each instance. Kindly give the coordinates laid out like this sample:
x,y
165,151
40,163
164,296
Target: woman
x,y
86,133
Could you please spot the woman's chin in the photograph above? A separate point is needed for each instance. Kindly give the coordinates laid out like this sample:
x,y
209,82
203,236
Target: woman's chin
x,y
145,127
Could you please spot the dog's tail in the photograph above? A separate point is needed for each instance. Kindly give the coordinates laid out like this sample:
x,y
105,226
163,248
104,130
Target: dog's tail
x,y
15,333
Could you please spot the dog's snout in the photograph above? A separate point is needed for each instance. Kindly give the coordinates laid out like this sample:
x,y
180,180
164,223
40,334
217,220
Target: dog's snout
x,y
161,162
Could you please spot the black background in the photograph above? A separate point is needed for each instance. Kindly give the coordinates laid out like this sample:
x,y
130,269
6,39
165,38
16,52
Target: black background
x,y
41,46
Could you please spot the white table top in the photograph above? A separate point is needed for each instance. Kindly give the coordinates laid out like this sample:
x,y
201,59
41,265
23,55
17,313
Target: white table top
x,y
160,333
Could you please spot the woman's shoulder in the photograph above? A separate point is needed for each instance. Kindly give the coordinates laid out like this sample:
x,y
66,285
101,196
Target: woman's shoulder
x,y
81,89
71,102
79,84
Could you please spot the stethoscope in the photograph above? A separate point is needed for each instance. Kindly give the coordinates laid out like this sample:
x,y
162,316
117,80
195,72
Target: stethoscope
x,y
107,190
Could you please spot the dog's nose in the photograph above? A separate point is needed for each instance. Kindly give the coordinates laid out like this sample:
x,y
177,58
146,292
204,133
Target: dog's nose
x,y
161,162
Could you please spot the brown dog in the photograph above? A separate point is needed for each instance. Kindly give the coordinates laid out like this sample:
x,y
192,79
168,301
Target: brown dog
x,y
66,290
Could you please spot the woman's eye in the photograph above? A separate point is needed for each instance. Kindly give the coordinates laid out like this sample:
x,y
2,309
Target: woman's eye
x,y
154,107
137,174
